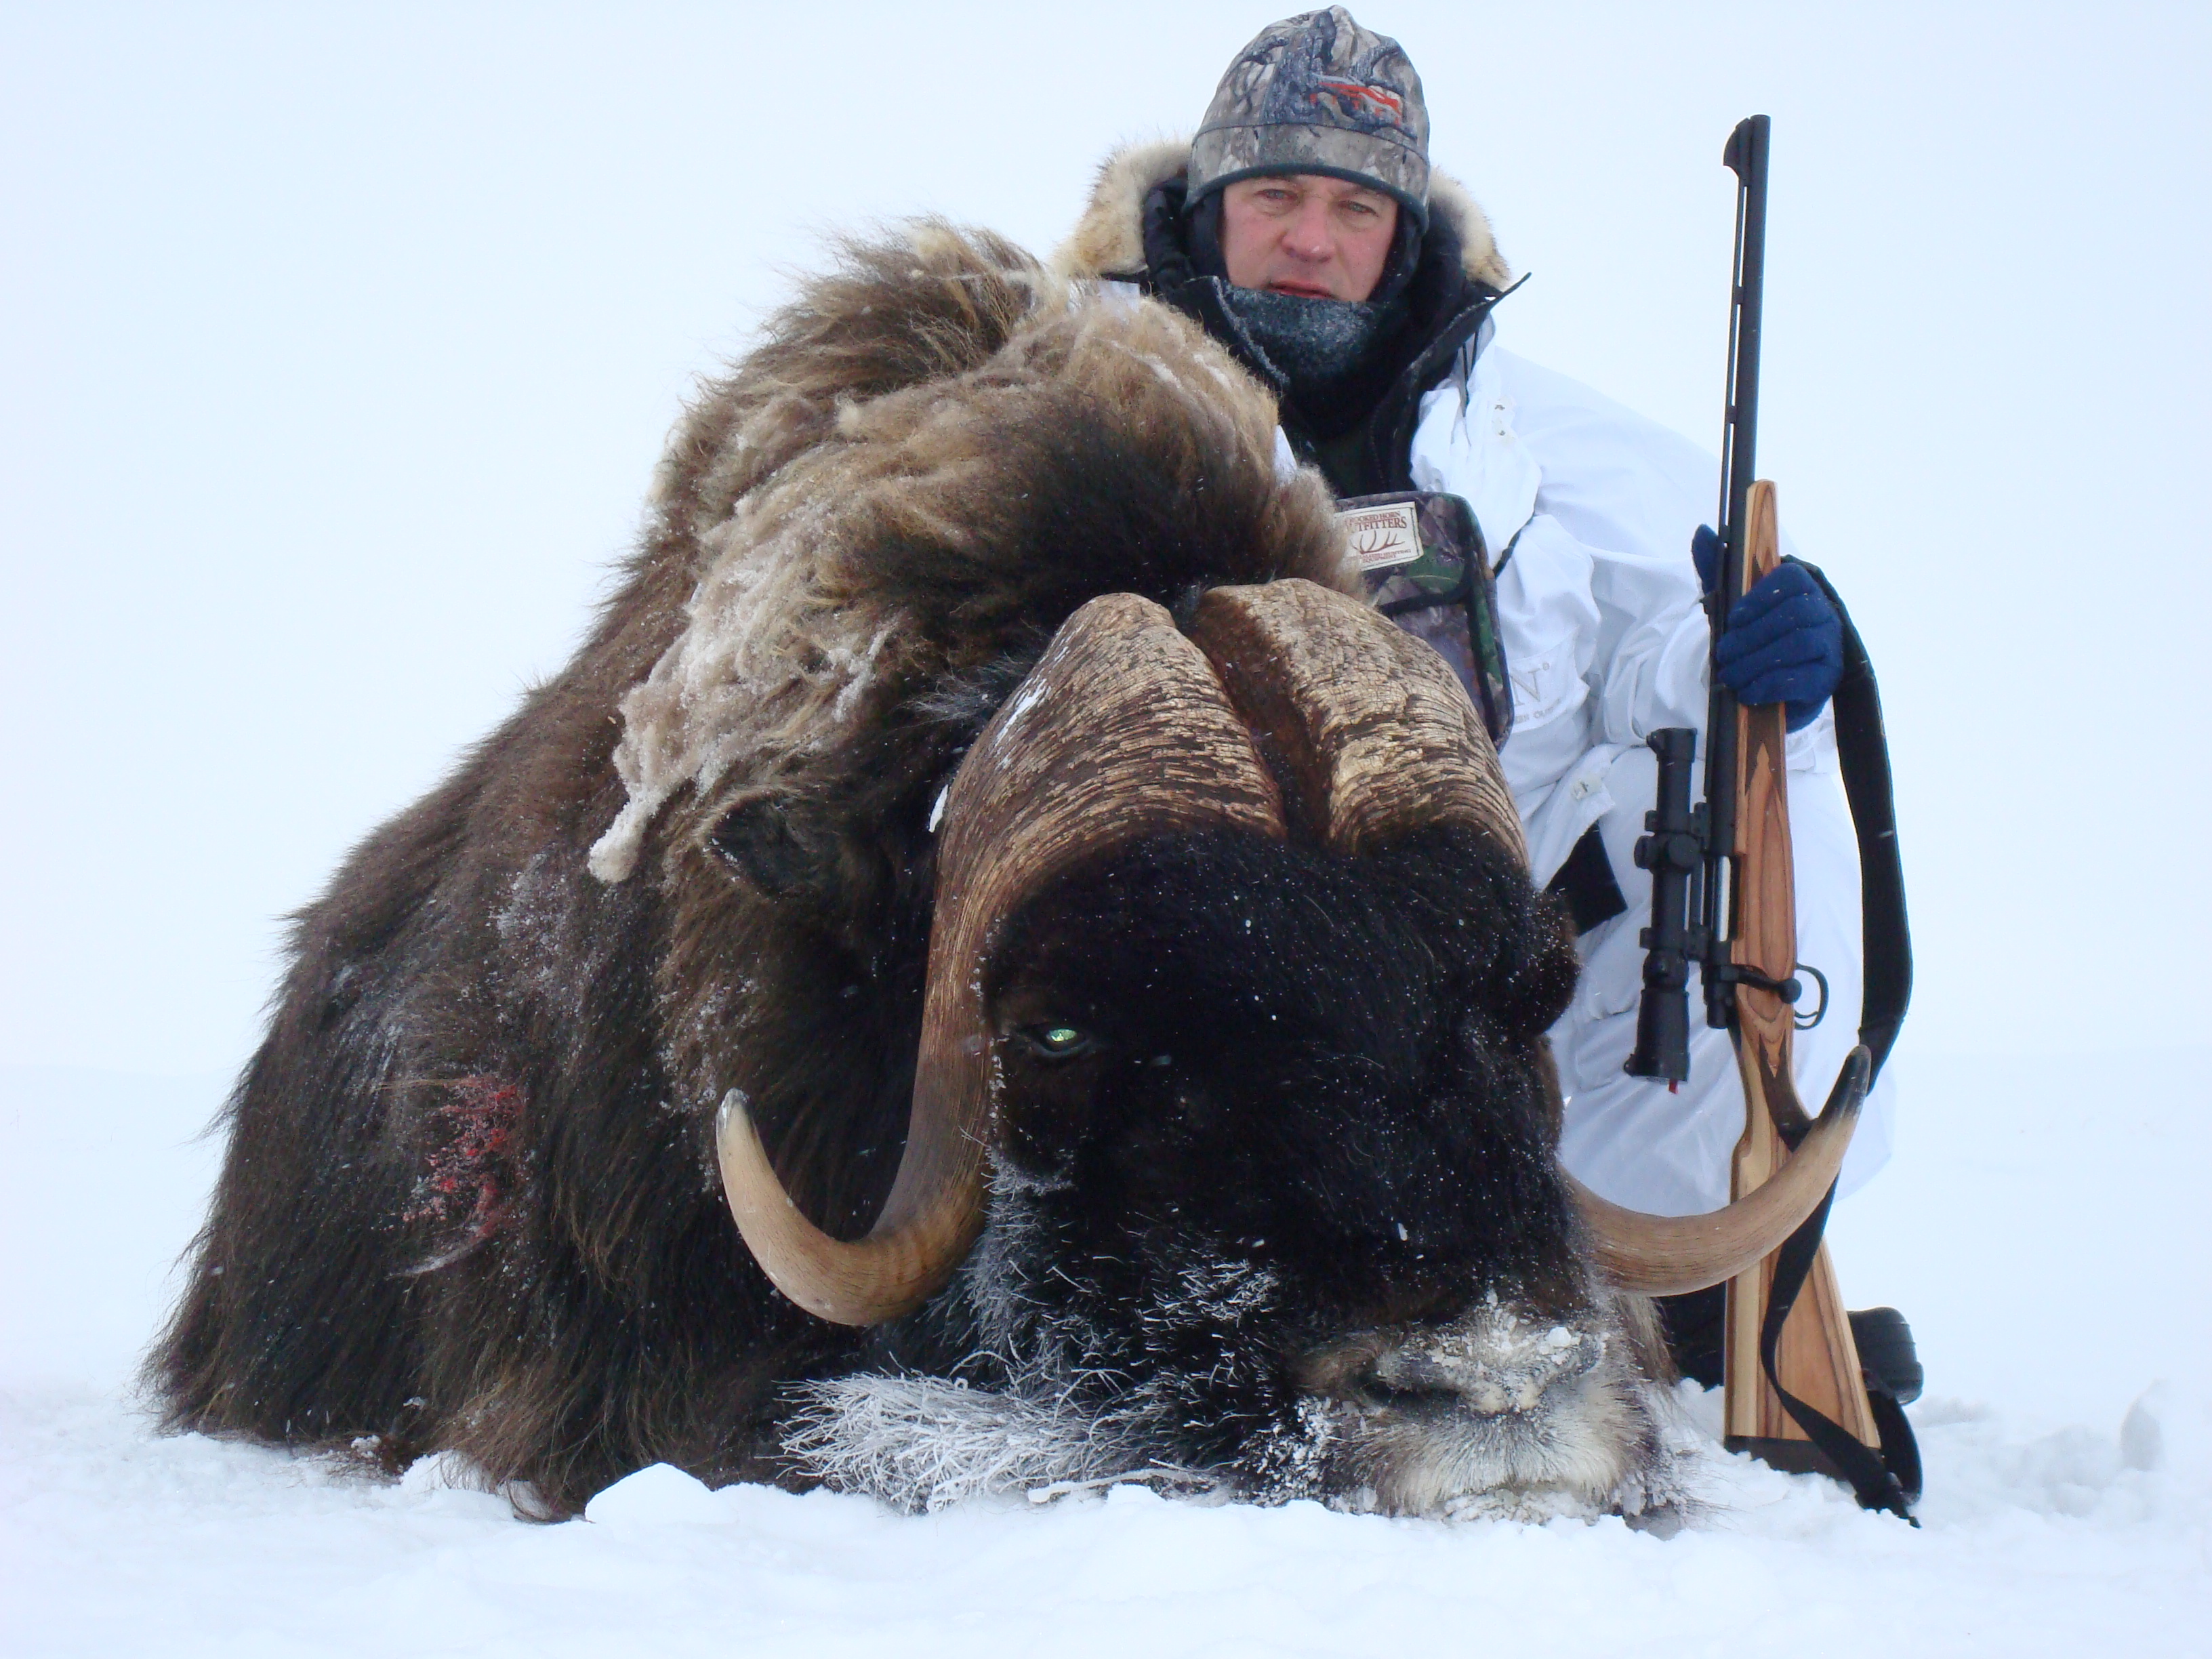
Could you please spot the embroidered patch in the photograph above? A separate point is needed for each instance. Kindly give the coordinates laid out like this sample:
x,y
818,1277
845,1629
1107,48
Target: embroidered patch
x,y
1382,536
1366,103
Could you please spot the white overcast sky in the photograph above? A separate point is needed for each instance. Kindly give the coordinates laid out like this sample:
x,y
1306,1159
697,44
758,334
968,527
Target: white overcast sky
x,y
336,343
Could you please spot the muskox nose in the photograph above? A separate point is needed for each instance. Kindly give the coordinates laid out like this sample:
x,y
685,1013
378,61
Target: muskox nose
x,y
1492,1365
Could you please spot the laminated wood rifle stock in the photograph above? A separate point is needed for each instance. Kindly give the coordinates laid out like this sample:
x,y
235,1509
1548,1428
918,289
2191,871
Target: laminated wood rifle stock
x,y
1817,1359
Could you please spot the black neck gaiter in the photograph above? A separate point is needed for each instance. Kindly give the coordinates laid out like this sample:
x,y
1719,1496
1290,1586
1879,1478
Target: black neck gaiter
x,y
1317,346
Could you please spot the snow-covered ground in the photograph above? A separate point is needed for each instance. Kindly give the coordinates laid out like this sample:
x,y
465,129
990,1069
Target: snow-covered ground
x,y
2044,1226
339,343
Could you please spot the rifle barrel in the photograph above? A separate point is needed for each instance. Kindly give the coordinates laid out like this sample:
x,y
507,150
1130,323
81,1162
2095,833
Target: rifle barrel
x,y
1746,156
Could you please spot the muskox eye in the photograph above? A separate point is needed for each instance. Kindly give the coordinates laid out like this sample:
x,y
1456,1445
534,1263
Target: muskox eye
x,y
756,838
1056,1042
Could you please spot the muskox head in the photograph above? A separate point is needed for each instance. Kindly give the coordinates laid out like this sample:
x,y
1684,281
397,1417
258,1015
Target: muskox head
x,y
1232,1149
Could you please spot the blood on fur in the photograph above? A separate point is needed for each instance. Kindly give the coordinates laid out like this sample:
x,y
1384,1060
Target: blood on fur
x,y
466,1178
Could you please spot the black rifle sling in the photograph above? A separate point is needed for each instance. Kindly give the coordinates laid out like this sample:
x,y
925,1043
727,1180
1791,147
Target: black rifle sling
x,y
1892,1480
1862,747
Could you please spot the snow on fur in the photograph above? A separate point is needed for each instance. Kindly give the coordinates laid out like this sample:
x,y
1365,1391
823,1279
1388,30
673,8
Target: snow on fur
x,y
784,652
925,1443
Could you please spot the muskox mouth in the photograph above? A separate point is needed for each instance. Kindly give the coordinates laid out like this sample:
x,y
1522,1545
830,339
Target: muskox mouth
x,y
924,1443
1501,1415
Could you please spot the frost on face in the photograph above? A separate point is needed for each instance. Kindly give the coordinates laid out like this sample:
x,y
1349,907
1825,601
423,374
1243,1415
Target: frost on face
x,y
1498,1415
1505,1415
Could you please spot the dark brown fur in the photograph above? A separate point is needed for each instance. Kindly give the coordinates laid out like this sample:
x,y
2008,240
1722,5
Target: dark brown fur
x,y
470,1201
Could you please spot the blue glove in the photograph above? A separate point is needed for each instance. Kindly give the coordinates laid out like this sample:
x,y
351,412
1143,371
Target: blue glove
x,y
1783,643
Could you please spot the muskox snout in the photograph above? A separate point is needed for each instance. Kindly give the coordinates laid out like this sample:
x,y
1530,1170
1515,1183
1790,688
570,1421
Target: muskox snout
x,y
1506,1410
1479,1372
1495,1361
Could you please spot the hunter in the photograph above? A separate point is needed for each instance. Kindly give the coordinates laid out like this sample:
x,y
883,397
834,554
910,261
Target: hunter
x,y
1304,228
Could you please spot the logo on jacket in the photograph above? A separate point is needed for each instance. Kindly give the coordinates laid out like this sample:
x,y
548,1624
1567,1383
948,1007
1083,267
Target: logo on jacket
x,y
1363,103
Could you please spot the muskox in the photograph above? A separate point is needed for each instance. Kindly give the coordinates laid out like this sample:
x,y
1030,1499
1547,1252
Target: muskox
x,y
986,851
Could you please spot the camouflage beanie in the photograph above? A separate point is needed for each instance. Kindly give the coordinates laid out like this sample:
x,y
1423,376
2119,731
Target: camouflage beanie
x,y
1318,94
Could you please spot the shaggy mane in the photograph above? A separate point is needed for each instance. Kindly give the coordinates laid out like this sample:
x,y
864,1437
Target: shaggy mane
x,y
698,860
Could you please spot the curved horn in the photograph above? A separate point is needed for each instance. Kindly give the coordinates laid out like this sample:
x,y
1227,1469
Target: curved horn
x,y
1378,737
1138,740
1375,730
1670,1255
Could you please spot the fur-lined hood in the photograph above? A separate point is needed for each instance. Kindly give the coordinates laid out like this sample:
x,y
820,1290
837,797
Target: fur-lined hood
x,y
1109,238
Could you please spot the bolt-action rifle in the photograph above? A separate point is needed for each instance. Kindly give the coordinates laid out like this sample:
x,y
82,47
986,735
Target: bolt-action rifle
x,y
1723,900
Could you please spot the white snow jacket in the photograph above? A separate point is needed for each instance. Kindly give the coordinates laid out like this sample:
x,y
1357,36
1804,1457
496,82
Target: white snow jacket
x,y
1591,507
1605,643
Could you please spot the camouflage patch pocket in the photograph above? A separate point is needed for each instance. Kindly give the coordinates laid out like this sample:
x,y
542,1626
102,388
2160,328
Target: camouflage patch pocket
x,y
1427,570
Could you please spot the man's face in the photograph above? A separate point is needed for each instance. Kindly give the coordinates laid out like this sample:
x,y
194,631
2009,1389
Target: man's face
x,y
1317,237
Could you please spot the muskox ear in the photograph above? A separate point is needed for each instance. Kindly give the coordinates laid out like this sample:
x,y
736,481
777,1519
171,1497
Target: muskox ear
x,y
758,839
1537,970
